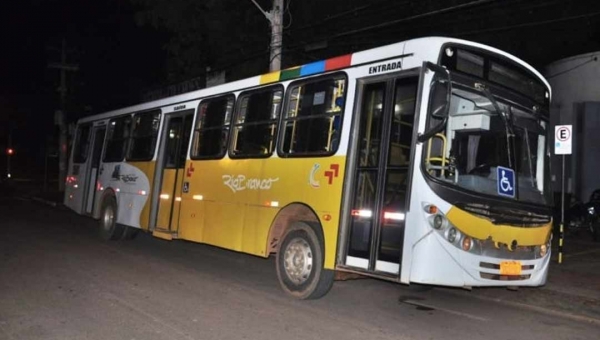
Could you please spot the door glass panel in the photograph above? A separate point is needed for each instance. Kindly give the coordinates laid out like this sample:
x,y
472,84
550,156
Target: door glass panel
x,y
173,137
405,96
394,213
365,194
99,134
362,214
396,173
178,134
98,144
184,142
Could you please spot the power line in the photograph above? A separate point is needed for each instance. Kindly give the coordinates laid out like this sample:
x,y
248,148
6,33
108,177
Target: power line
x,y
529,24
417,16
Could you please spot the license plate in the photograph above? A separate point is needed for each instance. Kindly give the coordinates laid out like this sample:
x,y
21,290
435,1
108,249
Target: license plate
x,y
510,268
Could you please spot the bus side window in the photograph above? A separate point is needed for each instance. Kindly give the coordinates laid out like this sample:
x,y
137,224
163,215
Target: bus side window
x,y
118,133
255,127
82,144
312,120
143,138
212,128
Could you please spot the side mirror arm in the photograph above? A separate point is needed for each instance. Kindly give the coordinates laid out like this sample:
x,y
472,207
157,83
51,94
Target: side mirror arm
x,y
423,137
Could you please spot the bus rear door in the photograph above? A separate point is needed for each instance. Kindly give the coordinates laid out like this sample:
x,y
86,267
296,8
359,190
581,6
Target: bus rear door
x,y
92,189
171,170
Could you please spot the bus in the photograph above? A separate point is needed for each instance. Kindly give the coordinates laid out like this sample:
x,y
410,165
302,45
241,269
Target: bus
x,y
424,161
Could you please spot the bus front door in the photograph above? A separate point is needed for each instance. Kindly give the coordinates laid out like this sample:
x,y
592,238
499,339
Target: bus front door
x,y
98,135
379,199
176,136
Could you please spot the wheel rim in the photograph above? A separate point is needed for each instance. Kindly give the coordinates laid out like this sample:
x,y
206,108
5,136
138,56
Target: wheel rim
x,y
108,218
298,260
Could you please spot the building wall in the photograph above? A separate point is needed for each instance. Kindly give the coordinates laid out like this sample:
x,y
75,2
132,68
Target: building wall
x,y
575,85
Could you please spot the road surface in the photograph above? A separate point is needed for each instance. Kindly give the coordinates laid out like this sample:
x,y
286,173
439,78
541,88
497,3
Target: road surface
x,y
59,281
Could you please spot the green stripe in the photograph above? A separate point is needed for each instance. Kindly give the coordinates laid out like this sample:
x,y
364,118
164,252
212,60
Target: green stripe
x,y
290,74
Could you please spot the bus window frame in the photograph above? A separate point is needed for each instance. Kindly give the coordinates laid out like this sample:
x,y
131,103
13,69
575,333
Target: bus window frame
x,y
108,139
228,124
271,88
282,119
453,193
498,58
77,144
155,137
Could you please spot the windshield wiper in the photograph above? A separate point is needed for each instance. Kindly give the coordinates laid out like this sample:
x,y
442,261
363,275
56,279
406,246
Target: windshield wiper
x,y
506,119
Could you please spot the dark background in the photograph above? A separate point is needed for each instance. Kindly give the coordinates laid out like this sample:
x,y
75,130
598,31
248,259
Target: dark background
x,y
124,49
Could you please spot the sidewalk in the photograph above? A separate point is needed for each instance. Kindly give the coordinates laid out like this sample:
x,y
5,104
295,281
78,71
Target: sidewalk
x,y
572,290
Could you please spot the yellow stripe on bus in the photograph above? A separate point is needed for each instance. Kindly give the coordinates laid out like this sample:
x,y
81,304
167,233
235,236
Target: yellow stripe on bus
x,y
270,77
481,228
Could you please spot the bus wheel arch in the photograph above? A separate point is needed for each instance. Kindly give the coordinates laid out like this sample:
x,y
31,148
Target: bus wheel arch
x,y
285,217
297,238
108,228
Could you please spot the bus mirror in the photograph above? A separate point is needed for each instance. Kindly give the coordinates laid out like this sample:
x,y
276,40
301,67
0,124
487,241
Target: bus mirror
x,y
440,91
439,100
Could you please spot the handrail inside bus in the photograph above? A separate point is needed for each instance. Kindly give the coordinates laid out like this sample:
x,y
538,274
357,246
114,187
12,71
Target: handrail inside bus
x,y
441,159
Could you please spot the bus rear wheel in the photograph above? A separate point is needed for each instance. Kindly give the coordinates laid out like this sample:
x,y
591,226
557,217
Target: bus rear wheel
x,y
300,263
109,228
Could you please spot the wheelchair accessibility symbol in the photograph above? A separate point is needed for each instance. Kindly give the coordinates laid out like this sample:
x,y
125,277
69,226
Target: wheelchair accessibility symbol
x,y
506,181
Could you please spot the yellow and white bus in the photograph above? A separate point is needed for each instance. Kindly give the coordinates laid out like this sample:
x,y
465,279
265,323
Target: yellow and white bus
x,y
424,161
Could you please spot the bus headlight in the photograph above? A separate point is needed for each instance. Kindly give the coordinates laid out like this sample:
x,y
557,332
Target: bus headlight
x,y
438,222
452,234
543,250
467,243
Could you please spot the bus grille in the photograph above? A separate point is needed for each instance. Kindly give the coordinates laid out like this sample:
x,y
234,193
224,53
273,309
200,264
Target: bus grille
x,y
500,277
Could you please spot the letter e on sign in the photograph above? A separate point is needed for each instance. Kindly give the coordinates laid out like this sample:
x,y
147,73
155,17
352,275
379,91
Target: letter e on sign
x,y
563,136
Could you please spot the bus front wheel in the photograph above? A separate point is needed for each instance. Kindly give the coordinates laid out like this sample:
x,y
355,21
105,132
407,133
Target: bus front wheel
x,y
300,263
109,228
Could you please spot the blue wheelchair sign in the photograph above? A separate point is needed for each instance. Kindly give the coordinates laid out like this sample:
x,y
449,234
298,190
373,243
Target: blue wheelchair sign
x,y
505,178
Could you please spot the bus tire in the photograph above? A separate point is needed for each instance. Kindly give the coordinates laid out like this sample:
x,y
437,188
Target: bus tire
x,y
109,229
300,262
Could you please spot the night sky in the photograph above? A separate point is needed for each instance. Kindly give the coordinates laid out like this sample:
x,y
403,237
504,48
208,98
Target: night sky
x,y
124,48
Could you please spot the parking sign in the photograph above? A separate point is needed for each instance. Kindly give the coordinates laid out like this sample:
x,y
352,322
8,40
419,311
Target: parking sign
x,y
563,135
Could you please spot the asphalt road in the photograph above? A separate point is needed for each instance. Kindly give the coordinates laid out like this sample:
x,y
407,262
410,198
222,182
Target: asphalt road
x,y
59,281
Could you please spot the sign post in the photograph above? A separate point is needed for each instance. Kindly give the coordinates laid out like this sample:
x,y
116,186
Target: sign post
x,y
563,136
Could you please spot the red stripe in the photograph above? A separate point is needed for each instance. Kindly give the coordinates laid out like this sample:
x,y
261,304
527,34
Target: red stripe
x,y
338,62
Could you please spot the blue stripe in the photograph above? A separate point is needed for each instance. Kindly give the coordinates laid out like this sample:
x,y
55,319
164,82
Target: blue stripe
x,y
312,68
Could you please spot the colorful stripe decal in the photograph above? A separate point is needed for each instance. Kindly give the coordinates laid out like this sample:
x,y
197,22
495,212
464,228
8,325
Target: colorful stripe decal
x,y
269,77
290,73
312,68
308,69
338,62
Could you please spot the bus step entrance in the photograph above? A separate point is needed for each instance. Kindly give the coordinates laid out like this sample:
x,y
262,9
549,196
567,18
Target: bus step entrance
x,y
164,234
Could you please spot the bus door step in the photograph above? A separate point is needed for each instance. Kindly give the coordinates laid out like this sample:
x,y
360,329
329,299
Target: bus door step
x,y
164,234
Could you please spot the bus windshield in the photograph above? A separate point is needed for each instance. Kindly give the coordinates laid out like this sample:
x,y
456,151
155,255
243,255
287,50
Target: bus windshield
x,y
483,133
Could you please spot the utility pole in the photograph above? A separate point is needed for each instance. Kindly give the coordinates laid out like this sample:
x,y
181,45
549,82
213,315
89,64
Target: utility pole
x,y
275,17
59,115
